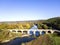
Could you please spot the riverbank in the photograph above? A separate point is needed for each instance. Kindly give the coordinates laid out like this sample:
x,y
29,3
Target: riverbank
x,y
41,40
45,40
18,41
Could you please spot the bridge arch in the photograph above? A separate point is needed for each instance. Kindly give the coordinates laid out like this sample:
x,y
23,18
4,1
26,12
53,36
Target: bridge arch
x,y
19,31
37,33
49,31
55,32
13,30
25,32
31,32
43,32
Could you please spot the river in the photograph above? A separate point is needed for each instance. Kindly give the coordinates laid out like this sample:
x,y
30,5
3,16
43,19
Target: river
x,y
19,41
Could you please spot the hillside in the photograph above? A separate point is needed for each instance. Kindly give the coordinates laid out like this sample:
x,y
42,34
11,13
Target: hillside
x,y
52,23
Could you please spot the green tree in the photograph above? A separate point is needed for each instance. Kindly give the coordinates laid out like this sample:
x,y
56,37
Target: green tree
x,y
39,26
44,26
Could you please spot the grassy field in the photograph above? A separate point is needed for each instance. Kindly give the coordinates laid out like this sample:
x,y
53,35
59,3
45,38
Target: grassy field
x,y
57,40
45,40
6,35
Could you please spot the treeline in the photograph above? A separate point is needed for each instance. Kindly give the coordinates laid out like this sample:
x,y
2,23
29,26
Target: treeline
x,y
14,26
52,23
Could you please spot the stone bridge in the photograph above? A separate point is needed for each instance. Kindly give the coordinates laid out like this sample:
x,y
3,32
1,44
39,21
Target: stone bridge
x,y
33,31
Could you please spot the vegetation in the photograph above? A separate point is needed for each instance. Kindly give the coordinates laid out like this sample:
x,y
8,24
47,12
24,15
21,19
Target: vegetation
x,y
6,35
50,39
14,26
45,40
57,40
52,23
42,40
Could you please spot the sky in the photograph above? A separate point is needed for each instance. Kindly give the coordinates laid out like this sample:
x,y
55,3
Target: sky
x,y
21,10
